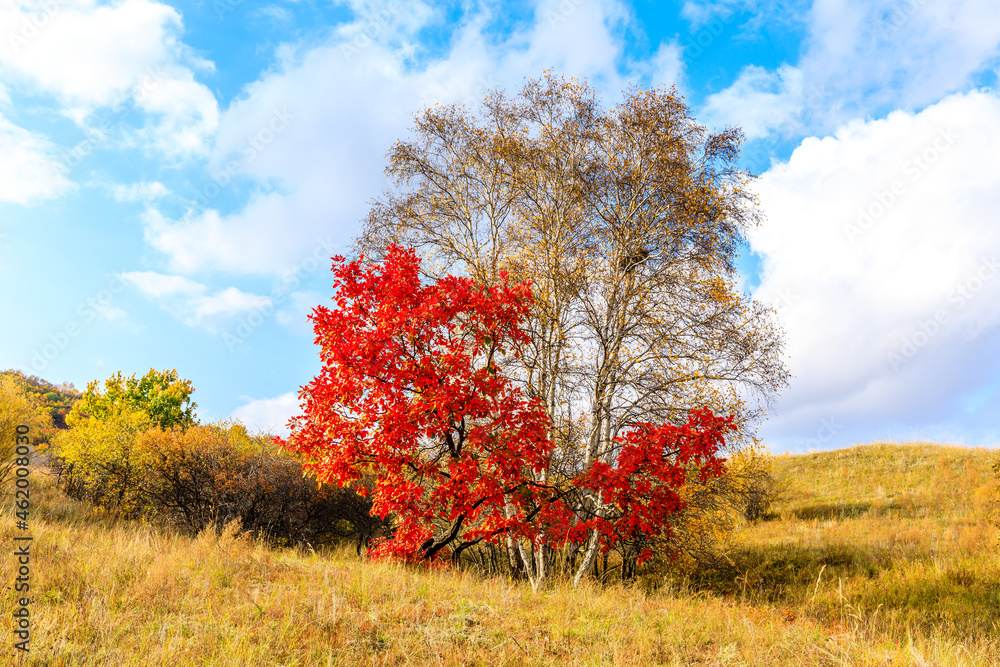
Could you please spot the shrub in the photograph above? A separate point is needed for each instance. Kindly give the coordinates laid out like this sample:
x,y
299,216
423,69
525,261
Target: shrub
x,y
701,540
214,474
98,460
206,475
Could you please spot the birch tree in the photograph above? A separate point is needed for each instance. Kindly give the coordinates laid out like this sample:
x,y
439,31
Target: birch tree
x,y
627,222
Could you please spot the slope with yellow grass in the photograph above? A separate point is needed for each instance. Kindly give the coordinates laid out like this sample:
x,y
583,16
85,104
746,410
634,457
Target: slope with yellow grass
x,y
875,555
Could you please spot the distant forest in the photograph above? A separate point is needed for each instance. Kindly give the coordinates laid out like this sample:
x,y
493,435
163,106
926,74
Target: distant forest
x,y
55,400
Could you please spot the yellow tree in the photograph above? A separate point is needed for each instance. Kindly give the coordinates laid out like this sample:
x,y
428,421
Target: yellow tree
x,y
17,408
99,457
627,221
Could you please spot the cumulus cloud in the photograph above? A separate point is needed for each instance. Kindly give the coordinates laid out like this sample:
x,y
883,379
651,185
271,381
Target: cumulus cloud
x,y
84,52
880,251
189,113
191,302
871,56
28,168
316,129
268,415
158,285
667,66
759,101
861,58
92,56
383,22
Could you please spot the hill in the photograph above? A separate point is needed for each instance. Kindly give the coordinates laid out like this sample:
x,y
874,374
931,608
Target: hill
x,y
55,400
875,555
898,537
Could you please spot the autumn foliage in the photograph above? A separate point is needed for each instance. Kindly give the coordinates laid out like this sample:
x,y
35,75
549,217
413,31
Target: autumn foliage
x,y
161,395
627,220
134,449
652,465
412,391
410,388
204,476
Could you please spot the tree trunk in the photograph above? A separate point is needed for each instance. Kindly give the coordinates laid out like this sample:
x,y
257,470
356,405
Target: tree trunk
x,y
589,556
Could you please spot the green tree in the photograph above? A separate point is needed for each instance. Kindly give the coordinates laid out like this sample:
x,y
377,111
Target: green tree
x,y
162,395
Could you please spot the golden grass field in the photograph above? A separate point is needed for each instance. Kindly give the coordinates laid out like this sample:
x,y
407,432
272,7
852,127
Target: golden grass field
x,y
876,555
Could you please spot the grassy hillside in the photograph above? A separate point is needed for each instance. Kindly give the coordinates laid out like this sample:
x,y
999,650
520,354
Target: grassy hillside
x,y
900,538
877,555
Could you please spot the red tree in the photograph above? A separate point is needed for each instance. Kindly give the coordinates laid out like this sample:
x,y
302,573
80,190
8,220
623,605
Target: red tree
x,y
640,491
411,393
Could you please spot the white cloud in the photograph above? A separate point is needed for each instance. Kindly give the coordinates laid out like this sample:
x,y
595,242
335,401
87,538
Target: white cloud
x,y
158,285
110,313
759,17
189,301
868,56
667,66
316,130
577,37
700,12
190,114
28,171
383,22
84,52
269,415
273,13
92,56
758,101
143,191
861,58
228,302
880,249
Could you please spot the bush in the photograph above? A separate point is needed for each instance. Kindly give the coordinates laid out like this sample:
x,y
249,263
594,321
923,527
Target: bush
x,y
206,475
213,475
99,460
702,531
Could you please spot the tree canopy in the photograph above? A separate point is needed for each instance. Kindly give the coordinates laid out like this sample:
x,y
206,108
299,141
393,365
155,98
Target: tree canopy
x,y
162,396
627,222
18,407
412,390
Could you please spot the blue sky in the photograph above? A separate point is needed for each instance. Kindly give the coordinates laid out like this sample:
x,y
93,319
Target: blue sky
x,y
175,176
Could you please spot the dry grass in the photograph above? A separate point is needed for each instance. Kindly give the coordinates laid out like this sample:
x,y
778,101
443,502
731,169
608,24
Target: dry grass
x,y
880,555
899,540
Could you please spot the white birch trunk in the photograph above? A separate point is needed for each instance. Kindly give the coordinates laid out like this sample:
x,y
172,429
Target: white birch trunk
x,y
589,557
534,566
